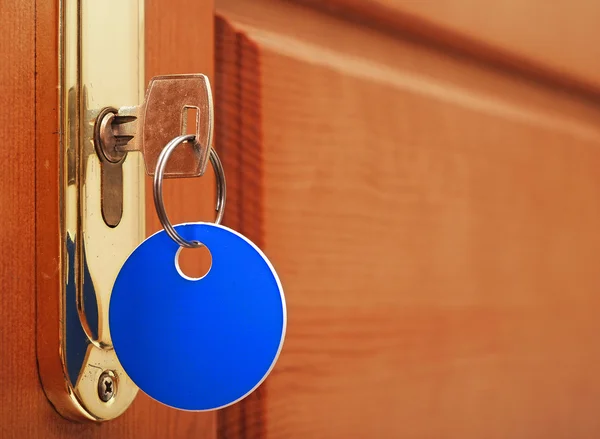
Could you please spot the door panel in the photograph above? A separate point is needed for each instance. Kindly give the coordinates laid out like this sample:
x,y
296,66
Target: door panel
x,y
433,221
545,38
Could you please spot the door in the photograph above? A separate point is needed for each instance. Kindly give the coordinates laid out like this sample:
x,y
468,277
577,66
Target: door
x,y
423,176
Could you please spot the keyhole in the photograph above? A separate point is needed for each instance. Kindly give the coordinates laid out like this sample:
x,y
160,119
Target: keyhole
x,y
193,263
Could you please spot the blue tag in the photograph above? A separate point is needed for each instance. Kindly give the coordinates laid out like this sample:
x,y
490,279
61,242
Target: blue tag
x,y
198,344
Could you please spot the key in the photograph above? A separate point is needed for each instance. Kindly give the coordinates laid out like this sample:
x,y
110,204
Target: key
x,y
162,116
147,128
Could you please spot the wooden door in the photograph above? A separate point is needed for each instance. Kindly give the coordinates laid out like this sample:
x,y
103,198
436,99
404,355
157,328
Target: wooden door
x,y
424,177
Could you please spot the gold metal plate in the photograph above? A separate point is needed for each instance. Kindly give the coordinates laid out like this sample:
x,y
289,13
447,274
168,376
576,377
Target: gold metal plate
x,y
101,65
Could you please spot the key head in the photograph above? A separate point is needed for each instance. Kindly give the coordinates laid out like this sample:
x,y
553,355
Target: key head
x,y
164,116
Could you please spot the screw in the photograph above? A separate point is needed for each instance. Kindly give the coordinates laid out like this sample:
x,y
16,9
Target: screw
x,y
107,385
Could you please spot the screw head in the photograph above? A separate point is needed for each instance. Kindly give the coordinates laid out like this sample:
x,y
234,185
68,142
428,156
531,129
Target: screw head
x,y
107,385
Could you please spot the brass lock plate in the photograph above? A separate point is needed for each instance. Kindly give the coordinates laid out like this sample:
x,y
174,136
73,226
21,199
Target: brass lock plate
x,y
101,65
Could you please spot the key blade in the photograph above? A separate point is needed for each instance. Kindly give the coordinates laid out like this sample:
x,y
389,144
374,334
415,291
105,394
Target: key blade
x,y
164,118
124,127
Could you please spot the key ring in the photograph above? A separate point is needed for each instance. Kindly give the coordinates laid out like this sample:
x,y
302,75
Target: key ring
x,y
158,195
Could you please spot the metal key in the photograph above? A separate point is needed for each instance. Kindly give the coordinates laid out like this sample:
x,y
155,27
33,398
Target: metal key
x,y
148,128
161,117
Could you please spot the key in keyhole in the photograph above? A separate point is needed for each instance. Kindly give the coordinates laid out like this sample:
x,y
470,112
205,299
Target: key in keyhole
x,y
174,105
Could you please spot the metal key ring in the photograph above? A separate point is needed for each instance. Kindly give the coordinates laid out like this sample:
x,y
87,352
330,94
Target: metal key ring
x,y
158,195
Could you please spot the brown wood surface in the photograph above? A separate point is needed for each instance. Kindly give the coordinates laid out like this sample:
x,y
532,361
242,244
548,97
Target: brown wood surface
x,y
559,34
549,40
21,396
434,224
29,213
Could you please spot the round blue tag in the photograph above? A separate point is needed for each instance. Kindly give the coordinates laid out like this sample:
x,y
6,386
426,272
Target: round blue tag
x,y
198,344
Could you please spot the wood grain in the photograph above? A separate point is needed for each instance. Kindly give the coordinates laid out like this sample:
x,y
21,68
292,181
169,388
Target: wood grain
x,y
21,393
555,34
29,213
238,138
434,224
546,41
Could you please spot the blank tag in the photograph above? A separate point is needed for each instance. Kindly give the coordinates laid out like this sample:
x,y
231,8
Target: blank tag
x,y
198,344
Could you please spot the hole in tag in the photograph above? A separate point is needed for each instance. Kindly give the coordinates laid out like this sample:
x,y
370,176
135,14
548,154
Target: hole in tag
x,y
193,263
190,120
